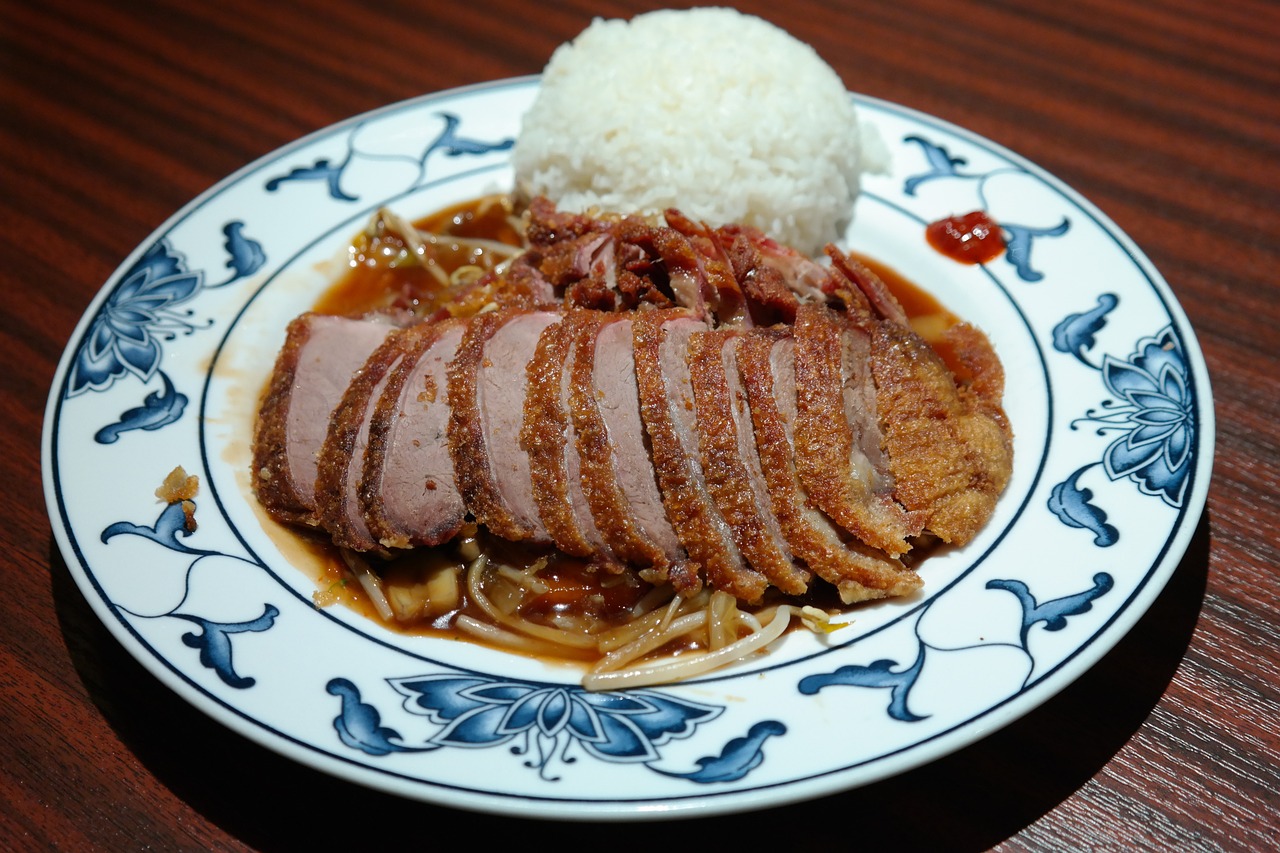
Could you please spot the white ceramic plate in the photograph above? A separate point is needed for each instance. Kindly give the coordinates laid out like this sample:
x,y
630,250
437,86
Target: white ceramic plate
x,y
1107,393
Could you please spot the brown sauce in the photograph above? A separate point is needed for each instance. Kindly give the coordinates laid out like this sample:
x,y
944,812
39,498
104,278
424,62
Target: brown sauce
x,y
375,280
380,277
382,274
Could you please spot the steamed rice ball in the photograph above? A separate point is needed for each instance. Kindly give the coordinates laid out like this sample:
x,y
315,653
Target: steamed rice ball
x,y
720,114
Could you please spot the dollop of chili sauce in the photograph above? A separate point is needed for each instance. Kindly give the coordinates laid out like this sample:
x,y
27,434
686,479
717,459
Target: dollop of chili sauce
x,y
971,238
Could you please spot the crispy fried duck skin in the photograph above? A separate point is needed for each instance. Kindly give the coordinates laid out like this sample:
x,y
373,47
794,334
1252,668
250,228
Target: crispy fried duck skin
x,y
702,405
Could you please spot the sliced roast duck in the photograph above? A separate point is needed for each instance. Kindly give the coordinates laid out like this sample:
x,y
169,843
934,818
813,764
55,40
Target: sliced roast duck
x,y
703,406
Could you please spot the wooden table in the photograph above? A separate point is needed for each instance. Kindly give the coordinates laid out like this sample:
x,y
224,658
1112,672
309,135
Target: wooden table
x,y
1166,114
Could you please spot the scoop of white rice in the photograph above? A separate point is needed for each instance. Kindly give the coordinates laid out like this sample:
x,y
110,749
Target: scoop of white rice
x,y
720,114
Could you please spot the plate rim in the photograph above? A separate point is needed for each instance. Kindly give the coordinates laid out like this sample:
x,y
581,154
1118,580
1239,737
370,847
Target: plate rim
x,y
950,740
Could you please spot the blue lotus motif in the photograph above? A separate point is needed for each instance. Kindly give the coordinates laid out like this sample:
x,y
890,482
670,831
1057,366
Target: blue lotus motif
x,y
1153,409
1157,418
127,332
547,721
480,711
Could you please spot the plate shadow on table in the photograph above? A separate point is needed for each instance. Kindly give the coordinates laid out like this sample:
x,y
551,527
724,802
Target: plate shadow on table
x,y
969,800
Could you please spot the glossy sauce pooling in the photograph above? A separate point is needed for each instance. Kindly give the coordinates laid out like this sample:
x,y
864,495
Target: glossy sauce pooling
x,y
928,317
383,275
915,301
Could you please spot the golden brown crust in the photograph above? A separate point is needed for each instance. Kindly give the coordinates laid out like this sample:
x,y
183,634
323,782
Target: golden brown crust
x,y
273,481
546,433
702,532
978,371
724,468
949,450
857,571
609,505
467,446
824,441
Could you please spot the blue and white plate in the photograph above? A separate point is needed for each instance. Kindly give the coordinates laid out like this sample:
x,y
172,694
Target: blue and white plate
x,y
1106,391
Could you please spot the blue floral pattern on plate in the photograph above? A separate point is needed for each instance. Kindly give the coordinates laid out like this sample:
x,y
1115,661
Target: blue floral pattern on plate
x,y
1153,408
1106,391
550,720
128,333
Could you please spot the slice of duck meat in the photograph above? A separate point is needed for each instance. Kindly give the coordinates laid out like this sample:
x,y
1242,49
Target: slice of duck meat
x,y
950,447
667,405
837,433
408,493
341,460
548,437
311,374
730,462
616,472
949,442
486,382
766,362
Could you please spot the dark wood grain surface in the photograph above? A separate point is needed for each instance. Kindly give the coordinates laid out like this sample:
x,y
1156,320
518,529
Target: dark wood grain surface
x,y
1166,114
